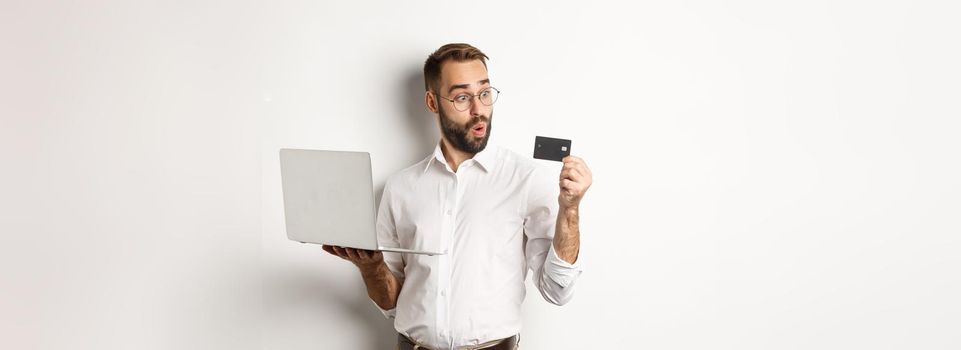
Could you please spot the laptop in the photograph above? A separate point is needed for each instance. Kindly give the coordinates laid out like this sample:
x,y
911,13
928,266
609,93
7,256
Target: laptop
x,y
329,199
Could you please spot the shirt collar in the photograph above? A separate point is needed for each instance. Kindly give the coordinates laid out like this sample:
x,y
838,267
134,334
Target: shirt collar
x,y
438,156
485,158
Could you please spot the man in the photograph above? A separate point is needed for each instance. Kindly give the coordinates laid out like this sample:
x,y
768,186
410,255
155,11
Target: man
x,y
495,212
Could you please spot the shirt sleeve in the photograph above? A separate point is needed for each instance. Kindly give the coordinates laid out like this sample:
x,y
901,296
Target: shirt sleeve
x,y
553,276
387,237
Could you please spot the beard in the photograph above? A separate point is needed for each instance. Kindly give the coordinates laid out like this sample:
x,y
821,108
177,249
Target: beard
x,y
460,135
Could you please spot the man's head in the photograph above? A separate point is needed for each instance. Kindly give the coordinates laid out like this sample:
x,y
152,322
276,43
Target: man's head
x,y
459,92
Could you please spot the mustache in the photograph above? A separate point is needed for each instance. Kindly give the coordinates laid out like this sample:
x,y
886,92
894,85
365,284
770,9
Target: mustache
x,y
477,120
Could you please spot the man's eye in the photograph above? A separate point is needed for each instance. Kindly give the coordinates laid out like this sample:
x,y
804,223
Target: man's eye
x,y
485,93
461,98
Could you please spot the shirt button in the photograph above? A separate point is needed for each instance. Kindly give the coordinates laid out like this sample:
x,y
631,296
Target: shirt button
x,y
448,211
443,293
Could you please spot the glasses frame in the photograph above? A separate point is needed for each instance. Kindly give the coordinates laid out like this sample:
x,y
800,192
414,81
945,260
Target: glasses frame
x,y
471,100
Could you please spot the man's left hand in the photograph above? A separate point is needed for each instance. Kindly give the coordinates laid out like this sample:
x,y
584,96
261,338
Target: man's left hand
x,y
574,182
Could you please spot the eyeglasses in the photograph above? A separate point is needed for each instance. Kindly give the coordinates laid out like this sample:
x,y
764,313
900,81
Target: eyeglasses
x,y
462,102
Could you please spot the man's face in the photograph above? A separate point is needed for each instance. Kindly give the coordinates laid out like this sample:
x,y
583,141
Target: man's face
x,y
467,130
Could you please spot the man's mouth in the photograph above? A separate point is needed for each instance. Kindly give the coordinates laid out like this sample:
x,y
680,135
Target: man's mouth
x,y
479,129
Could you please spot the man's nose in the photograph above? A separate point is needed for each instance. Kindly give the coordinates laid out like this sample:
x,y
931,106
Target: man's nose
x,y
476,107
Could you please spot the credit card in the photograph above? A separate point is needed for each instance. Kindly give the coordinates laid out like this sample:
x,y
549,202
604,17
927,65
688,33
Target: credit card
x,y
549,148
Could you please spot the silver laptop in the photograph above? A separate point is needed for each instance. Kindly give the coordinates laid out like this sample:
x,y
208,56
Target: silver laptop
x,y
329,199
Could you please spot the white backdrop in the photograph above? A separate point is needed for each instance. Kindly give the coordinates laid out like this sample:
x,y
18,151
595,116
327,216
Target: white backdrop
x,y
766,175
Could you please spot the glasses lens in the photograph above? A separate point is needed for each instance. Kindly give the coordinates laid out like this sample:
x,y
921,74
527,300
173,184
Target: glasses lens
x,y
462,102
488,96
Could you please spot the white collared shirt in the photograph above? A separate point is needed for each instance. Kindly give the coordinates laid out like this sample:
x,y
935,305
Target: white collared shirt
x,y
495,217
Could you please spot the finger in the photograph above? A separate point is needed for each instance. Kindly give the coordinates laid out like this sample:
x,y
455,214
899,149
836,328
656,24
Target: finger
x,y
575,162
341,251
352,254
580,162
584,177
571,174
572,160
573,187
567,168
330,250
361,254
584,170
338,251
366,254
579,165
358,254
373,256
568,187
580,174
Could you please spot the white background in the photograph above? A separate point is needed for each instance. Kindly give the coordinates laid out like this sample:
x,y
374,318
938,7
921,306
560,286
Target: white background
x,y
768,175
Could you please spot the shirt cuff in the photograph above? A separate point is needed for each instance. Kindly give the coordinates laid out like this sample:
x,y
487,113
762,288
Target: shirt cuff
x,y
561,271
389,314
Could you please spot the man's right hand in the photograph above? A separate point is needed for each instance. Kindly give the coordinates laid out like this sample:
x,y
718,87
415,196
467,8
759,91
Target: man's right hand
x,y
382,286
362,258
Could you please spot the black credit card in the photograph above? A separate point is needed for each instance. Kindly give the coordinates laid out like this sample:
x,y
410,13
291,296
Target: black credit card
x,y
551,149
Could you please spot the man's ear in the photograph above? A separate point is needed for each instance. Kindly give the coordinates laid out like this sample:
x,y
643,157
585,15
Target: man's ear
x,y
430,101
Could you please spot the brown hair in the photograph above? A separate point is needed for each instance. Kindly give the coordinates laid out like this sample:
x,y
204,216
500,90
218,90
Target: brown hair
x,y
457,52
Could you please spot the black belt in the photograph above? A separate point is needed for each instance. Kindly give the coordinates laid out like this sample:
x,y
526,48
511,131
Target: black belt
x,y
405,343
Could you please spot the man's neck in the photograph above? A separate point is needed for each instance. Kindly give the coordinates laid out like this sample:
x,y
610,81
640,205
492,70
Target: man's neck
x,y
453,155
